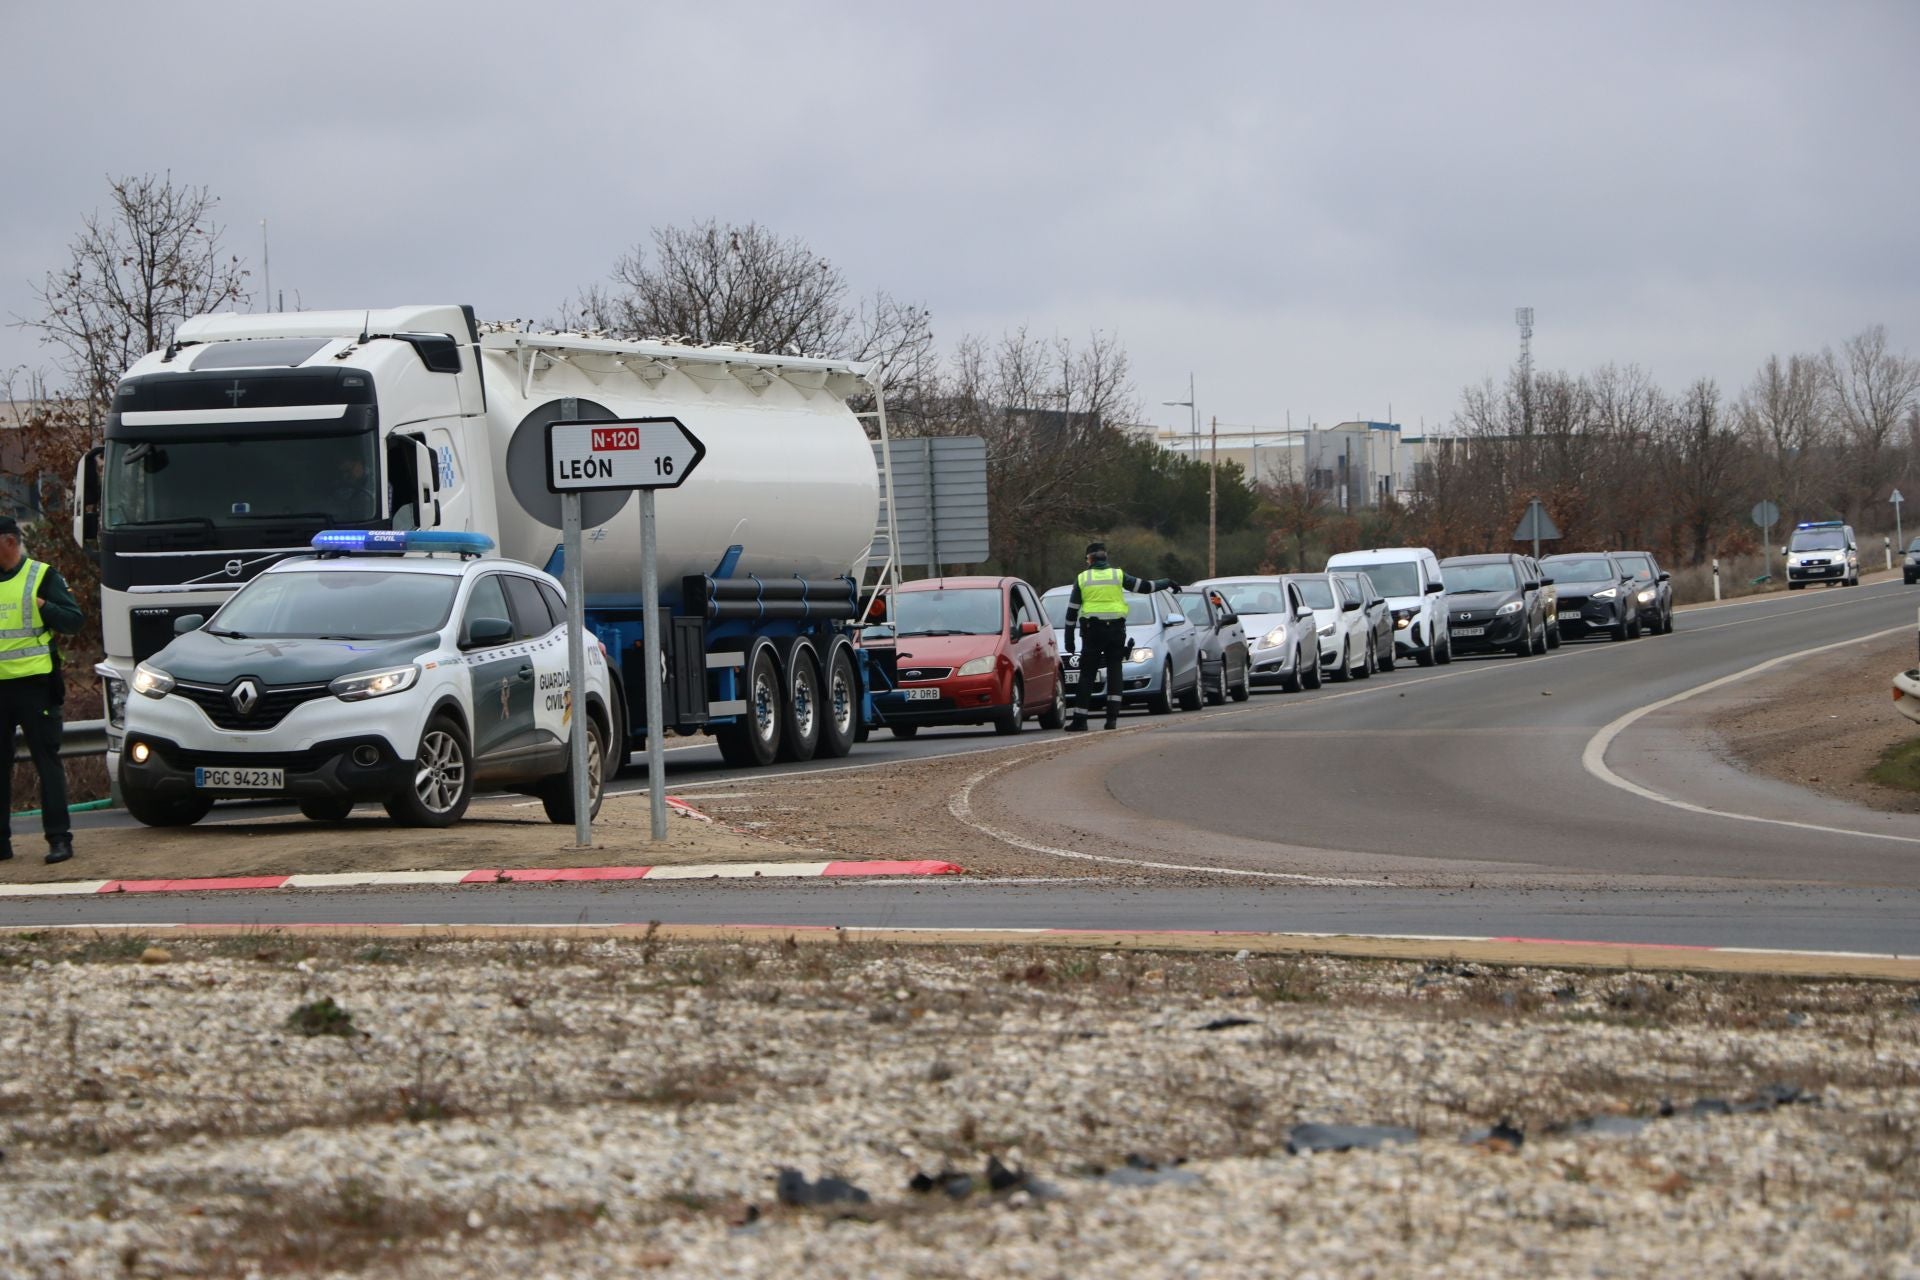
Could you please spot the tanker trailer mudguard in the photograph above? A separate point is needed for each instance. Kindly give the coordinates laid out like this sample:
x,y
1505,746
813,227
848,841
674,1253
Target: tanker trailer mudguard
x,y
249,434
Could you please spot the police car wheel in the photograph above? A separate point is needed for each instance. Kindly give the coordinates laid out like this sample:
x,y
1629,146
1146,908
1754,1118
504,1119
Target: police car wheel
x,y
556,793
163,811
326,808
442,779
840,722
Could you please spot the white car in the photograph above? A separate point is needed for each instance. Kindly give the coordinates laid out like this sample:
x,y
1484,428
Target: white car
x,y
363,673
1346,648
1410,579
1282,647
1906,694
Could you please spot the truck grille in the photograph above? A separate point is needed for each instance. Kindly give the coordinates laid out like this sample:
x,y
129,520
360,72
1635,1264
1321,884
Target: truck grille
x,y
270,709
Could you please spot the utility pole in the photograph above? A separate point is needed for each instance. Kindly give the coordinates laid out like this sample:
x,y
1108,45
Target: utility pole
x,y
1213,504
1523,316
266,268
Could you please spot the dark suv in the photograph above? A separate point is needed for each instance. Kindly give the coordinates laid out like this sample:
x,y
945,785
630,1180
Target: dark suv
x,y
1653,590
1910,567
1494,603
1597,593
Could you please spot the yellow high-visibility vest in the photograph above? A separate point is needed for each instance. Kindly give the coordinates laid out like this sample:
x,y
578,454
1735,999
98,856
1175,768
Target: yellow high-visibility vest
x,y
1101,593
26,647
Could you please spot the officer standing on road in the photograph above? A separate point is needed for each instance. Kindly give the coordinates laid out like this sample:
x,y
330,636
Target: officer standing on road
x,y
1099,602
34,603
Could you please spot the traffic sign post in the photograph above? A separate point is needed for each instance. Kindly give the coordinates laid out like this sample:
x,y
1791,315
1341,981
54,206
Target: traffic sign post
x,y
628,453
1538,526
1765,514
1899,534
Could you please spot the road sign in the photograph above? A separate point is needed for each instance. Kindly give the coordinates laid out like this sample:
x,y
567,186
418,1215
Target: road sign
x,y
1536,526
626,453
1765,514
1899,532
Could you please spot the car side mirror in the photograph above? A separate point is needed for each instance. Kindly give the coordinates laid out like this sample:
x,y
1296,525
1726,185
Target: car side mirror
x,y
1229,619
1029,629
1173,619
1350,606
189,622
1435,588
482,632
1546,582
1302,614
1529,586
1665,576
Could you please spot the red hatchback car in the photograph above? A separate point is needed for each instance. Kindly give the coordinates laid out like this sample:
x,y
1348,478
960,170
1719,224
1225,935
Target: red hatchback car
x,y
966,651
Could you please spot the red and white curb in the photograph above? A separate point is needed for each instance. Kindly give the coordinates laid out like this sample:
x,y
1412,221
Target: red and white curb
x,y
489,875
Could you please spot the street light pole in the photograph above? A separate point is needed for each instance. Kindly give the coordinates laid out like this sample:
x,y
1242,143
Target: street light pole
x,y
1213,503
1193,452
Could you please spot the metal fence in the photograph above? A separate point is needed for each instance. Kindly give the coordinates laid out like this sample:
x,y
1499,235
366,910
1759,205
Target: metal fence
x,y
82,738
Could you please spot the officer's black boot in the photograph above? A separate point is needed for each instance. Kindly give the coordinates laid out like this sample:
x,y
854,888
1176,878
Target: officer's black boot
x,y
1078,724
1113,715
59,848
6,851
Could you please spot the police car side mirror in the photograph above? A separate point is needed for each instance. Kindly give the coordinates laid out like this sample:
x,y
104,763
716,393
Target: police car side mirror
x,y
189,622
482,632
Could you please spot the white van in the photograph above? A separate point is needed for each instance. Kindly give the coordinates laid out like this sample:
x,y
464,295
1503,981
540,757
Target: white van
x,y
1409,578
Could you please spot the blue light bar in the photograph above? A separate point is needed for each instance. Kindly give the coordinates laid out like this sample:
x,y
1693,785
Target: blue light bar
x,y
1823,524
393,541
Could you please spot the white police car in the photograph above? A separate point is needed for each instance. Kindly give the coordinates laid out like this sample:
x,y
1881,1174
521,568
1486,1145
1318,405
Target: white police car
x,y
366,673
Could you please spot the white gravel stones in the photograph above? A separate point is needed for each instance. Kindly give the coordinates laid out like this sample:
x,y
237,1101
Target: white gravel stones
x,y
621,1108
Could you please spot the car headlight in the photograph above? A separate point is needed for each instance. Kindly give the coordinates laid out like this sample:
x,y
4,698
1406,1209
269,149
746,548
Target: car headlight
x,y
1274,638
1608,594
116,700
1646,597
362,685
151,681
1327,630
976,666
1139,655
1511,606
1402,619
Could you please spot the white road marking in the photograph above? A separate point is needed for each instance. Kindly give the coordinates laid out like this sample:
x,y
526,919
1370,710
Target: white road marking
x,y
1594,758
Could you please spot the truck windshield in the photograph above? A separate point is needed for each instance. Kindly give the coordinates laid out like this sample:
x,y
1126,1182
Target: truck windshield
x,y
963,611
234,483
348,604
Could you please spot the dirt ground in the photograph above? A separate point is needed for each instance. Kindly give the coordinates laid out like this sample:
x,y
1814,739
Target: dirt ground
x,y
1823,721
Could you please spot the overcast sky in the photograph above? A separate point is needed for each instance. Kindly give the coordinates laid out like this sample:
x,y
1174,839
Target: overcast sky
x,y
1318,213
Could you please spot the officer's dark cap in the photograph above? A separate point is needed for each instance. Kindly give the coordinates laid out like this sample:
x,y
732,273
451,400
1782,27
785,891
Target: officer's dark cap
x,y
9,526
1096,548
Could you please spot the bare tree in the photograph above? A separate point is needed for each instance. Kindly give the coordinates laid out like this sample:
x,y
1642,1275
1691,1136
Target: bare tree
x,y
1871,388
1705,478
1784,413
134,272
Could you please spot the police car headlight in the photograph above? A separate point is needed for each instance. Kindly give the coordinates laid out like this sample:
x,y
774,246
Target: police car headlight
x,y
1274,638
151,681
976,666
1511,606
1646,597
1139,655
374,684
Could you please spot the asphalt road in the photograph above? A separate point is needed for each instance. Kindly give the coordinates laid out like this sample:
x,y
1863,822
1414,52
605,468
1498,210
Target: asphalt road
x,y
1462,799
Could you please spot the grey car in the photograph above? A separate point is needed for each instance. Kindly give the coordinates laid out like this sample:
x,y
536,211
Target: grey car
x,y
1379,615
1281,644
1226,670
1162,667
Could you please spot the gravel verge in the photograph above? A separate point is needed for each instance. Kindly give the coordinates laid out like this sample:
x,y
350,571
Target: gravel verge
x,y
279,1103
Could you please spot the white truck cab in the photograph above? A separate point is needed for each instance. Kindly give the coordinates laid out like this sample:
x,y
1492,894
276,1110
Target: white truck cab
x,y
1409,578
399,667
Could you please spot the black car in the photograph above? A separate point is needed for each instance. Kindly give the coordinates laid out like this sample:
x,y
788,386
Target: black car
x,y
1493,605
1597,594
1910,567
1653,590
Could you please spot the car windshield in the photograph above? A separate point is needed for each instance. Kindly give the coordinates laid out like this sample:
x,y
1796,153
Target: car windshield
x,y
1139,608
1258,595
1639,566
1594,569
1317,592
1465,579
1818,540
948,611
1401,578
349,604
1913,546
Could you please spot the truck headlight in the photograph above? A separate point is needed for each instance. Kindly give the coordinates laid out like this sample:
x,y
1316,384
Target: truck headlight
x,y
1511,606
1139,655
362,685
976,666
115,696
151,681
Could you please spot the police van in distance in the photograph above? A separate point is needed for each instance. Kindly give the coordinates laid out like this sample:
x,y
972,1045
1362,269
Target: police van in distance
x,y
399,667
1822,551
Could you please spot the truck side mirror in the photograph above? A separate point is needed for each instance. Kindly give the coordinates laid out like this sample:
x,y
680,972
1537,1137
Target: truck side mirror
x,y
86,500
426,474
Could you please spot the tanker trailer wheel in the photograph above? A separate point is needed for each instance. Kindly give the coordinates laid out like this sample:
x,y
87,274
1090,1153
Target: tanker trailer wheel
x,y
839,707
801,716
753,739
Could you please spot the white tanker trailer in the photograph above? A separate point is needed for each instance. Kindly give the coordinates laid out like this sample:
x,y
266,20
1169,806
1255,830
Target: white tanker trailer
x,y
250,433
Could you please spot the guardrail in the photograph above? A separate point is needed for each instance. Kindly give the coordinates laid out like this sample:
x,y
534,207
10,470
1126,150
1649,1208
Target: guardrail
x,y
81,738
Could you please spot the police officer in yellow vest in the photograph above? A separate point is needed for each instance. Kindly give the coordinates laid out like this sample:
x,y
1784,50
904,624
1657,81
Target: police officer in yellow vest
x,y
34,603
1099,603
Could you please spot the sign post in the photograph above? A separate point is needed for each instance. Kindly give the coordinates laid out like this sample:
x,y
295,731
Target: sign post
x,y
626,453
1536,525
1899,534
1766,514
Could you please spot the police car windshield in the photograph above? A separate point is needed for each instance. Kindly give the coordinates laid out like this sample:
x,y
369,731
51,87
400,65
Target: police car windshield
x,y
959,611
1818,540
350,604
